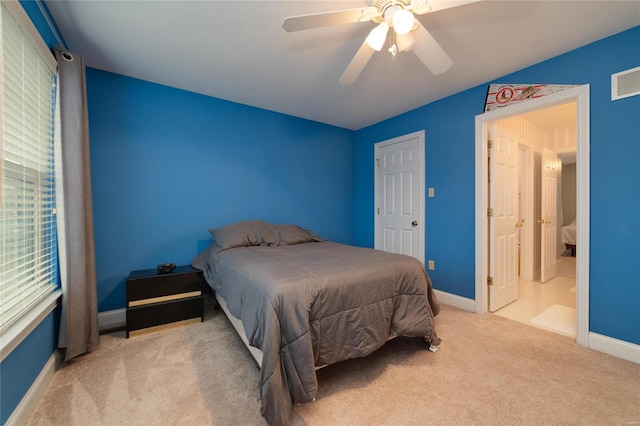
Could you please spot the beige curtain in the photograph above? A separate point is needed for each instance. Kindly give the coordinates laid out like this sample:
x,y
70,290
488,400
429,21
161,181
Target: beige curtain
x,y
79,319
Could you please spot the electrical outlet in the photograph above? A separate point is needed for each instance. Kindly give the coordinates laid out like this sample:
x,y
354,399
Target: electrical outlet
x,y
432,265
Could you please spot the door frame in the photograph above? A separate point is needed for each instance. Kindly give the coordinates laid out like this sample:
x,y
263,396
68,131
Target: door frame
x,y
580,95
421,177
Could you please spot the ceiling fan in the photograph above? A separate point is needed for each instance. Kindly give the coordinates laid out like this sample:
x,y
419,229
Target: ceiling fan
x,y
396,20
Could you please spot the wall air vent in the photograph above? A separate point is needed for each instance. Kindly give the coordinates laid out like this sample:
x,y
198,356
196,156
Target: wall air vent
x,y
625,84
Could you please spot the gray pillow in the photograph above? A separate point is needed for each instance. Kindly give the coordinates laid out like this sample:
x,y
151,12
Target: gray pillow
x,y
244,234
293,234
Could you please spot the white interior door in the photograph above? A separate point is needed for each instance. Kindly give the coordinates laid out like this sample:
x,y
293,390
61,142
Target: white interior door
x,y
400,195
549,220
527,217
503,203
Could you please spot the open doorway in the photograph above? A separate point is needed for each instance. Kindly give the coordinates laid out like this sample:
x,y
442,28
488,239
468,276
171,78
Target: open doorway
x,y
546,267
579,95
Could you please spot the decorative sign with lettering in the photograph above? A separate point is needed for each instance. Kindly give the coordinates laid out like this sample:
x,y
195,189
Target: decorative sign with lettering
x,y
502,95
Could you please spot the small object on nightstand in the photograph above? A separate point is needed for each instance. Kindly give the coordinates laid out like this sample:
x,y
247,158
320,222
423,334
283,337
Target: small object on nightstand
x,y
165,268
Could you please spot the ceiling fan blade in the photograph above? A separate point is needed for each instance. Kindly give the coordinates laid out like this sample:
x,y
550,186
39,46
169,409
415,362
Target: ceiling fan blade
x,y
405,41
420,7
357,64
316,20
430,52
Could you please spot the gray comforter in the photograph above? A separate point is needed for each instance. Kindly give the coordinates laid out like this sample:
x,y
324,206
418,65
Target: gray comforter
x,y
313,304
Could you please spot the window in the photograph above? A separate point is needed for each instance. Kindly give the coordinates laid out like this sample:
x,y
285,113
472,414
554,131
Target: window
x,y
28,246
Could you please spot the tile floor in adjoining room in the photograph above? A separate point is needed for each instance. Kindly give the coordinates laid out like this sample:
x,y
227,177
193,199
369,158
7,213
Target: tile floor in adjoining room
x,y
550,305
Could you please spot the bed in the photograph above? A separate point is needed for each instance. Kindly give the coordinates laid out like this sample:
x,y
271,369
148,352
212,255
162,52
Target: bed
x,y
305,302
568,236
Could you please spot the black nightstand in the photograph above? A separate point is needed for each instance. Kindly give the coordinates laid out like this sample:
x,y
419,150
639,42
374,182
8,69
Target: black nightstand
x,y
158,301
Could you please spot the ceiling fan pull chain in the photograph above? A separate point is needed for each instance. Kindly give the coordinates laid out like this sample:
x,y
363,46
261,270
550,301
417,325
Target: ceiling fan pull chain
x,y
393,50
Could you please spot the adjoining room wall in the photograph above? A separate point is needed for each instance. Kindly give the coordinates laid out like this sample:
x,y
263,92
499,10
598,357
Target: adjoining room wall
x,y
568,193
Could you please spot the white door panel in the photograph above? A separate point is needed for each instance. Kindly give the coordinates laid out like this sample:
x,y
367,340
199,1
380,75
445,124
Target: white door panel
x,y
503,200
400,195
549,220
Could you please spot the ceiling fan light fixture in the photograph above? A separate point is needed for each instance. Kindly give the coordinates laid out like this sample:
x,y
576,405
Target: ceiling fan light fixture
x,y
399,15
378,36
403,21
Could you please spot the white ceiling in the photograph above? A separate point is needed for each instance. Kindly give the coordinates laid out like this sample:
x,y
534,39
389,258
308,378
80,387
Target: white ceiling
x,y
238,51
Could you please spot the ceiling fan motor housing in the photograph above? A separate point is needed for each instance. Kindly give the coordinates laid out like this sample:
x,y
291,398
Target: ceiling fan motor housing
x,y
384,5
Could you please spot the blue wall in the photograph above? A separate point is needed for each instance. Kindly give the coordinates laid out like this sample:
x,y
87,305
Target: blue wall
x,y
450,168
167,165
39,14
23,365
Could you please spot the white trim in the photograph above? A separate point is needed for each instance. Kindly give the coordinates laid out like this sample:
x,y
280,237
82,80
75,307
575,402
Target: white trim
x,y
29,401
583,215
50,24
23,326
1,101
456,301
111,319
421,163
615,347
580,95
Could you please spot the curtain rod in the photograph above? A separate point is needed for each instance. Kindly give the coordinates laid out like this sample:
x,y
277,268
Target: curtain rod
x,y
51,23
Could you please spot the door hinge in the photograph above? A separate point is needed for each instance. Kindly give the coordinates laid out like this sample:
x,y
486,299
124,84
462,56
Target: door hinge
x,y
489,280
490,143
378,162
378,210
490,212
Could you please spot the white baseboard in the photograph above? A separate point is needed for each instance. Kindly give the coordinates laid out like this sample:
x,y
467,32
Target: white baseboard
x,y
22,412
112,319
456,301
615,347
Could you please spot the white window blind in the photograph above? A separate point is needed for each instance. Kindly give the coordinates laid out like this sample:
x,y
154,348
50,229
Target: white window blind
x,y
28,246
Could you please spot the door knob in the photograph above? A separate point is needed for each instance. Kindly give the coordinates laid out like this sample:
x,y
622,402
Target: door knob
x,y
414,223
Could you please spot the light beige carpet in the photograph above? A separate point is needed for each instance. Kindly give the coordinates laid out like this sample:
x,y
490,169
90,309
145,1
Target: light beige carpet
x,y
488,371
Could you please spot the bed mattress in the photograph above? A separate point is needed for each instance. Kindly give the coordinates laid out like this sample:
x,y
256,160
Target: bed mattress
x,y
313,304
